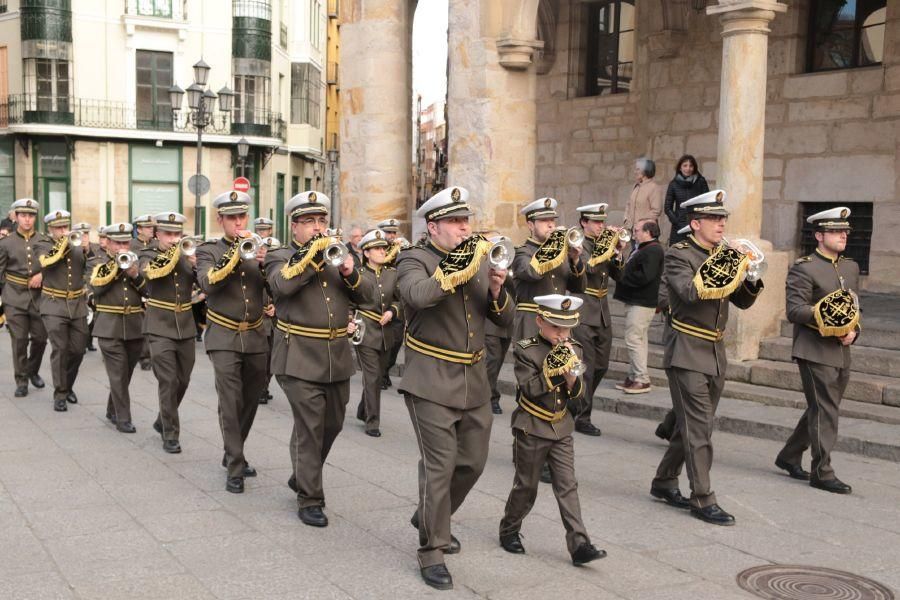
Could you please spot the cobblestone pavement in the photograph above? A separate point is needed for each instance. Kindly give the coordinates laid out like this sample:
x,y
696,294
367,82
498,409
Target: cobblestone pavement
x,y
90,513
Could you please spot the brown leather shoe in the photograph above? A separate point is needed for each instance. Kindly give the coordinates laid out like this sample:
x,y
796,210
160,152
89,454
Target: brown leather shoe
x,y
624,384
637,388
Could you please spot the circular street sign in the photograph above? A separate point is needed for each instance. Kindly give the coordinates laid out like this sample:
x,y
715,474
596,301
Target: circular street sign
x,y
201,182
241,184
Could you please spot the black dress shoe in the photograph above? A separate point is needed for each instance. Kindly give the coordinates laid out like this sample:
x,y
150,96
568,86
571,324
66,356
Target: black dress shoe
x,y
835,486
546,476
172,446
794,471
292,483
588,429
313,516
373,432
36,381
91,347
235,485
671,496
22,390
145,365
71,398
111,418
249,471
264,399
712,514
512,543
59,405
585,553
663,432
384,386
387,381
126,427
438,577
495,408
361,411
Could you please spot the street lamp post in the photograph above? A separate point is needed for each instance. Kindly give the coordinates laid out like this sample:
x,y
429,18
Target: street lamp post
x,y
243,149
201,101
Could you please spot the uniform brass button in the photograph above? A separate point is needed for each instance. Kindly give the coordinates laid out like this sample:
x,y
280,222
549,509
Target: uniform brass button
x,y
243,287
471,334
552,276
468,315
247,301
324,284
330,315
465,297
327,299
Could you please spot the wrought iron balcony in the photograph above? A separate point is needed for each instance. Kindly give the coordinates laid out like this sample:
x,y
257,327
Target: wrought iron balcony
x,y
103,114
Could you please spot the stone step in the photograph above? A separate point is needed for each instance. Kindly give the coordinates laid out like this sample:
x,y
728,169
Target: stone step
x,y
863,387
881,335
865,359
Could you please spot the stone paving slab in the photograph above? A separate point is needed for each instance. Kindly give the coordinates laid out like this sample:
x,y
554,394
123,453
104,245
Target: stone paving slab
x,y
90,513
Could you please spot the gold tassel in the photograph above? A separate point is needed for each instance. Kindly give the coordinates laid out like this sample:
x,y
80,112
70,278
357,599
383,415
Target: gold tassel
x,y
449,281
392,253
604,247
559,361
215,275
304,256
726,277
103,274
56,253
541,262
163,264
828,330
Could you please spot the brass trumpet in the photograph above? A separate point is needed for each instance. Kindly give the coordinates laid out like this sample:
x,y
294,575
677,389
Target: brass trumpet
x,y
501,253
272,243
188,246
574,236
404,243
336,251
249,246
624,234
758,264
76,238
125,260
357,337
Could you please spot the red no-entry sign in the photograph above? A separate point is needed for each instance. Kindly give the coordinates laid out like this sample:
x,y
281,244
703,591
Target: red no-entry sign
x,y
241,184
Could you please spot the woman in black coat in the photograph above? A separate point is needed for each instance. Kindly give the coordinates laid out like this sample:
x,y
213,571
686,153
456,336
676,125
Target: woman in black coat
x,y
688,182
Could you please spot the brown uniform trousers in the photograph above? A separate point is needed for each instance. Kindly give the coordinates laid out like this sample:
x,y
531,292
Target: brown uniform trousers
x,y
311,359
235,342
695,366
137,246
21,305
169,328
538,441
64,310
824,362
496,345
567,277
446,387
117,325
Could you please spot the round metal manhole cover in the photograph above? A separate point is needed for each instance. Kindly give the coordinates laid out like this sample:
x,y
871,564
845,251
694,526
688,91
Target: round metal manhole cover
x,y
798,582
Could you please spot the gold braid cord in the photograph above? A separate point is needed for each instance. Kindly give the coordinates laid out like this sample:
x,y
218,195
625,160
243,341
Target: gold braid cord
x,y
551,254
392,253
836,314
225,265
604,247
104,274
720,274
164,263
461,264
304,256
558,362
56,253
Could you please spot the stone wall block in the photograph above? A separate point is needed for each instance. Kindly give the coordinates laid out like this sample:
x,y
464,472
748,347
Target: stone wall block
x,y
773,167
818,84
798,139
872,79
668,146
862,178
865,136
829,110
702,145
692,120
886,105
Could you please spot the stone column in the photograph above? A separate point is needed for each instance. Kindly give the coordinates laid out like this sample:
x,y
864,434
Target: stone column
x,y
491,98
742,111
376,105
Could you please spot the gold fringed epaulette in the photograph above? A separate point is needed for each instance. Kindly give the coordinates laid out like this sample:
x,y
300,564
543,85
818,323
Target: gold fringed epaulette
x,y
559,361
104,273
720,274
551,254
56,253
837,314
527,342
604,247
164,263
803,259
461,263
392,253
304,256
226,264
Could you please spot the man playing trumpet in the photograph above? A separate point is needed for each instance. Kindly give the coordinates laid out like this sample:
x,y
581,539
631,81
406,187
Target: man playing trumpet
x,y
169,270
63,305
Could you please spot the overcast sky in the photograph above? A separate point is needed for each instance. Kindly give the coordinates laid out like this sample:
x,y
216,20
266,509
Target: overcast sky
x,y
430,51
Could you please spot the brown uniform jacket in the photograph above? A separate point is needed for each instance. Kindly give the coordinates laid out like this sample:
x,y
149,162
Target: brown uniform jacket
x,y
169,312
595,310
385,297
703,318
810,279
137,246
18,262
535,394
313,309
505,331
63,293
234,304
530,283
449,325
119,311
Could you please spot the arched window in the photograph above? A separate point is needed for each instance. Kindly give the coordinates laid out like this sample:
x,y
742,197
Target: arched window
x,y
845,33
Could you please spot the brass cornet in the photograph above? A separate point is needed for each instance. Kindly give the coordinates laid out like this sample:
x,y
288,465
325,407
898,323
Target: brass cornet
x,y
188,246
76,238
574,237
357,337
336,251
758,264
249,246
272,243
624,234
501,253
125,260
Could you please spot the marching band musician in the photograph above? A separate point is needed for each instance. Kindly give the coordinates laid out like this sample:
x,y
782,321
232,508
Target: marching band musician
x,y
448,291
824,309
63,305
234,286
118,320
21,273
311,358
391,229
144,239
263,228
702,276
169,321
378,313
